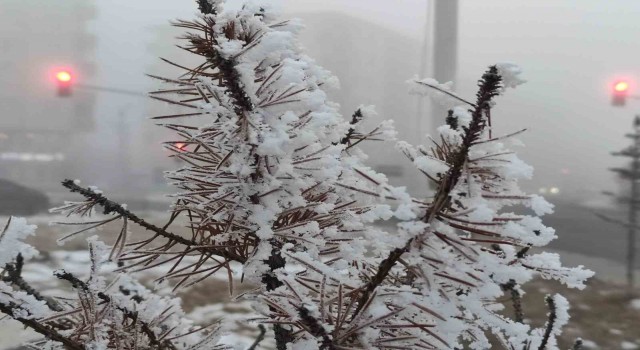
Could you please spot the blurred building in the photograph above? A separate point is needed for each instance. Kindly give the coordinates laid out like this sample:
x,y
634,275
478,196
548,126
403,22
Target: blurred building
x,y
373,63
38,128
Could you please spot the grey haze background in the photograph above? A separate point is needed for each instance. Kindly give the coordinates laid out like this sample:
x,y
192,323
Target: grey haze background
x,y
571,51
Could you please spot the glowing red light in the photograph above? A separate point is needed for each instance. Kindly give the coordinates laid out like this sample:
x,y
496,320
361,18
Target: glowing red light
x,y
621,86
63,76
181,146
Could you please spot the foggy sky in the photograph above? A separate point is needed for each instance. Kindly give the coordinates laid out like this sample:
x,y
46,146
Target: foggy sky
x,y
570,51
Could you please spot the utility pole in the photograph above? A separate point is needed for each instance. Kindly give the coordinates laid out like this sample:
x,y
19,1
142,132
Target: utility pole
x,y
633,175
445,51
424,68
441,37
445,40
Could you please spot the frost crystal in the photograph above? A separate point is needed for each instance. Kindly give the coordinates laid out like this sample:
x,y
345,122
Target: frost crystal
x,y
510,74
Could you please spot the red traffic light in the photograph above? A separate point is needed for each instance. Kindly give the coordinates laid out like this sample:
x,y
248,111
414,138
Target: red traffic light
x,y
177,148
619,93
621,86
63,76
63,79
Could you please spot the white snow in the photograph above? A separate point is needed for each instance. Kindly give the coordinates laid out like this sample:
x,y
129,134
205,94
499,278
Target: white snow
x,y
435,90
11,240
627,345
589,344
510,74
540,206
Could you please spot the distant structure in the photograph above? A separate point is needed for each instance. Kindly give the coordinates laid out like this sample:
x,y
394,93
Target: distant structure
x,y
373,63
445,40
631,173
445,49
38,127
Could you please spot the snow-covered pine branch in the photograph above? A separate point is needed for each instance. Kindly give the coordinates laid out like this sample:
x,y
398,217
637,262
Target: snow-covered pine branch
x,y
110,309
267,159
439,287
274,180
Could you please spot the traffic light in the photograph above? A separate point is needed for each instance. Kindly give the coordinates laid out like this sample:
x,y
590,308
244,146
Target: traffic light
x,y
64,80
620,92
178,148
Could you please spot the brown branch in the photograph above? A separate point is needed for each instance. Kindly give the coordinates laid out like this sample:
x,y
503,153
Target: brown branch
x,y
14,277
316,329
283,336
489,88
133,315
205,7
516,300
448,93
110,207
260,337
229,76
43,329
230,80
550,322
355,119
